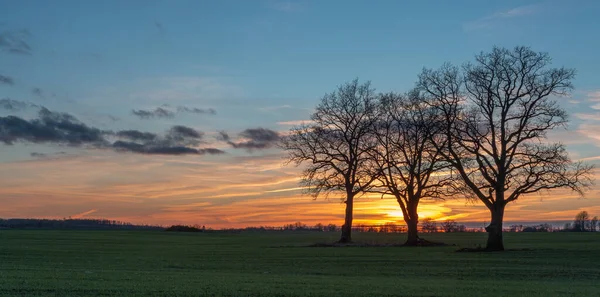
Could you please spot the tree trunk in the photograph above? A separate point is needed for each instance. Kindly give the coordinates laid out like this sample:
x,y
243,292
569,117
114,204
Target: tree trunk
x,y
413,235
347,227
412,221
495,241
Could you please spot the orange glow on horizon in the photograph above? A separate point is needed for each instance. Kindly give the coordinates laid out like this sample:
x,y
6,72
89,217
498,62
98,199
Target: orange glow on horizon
x,y
193,191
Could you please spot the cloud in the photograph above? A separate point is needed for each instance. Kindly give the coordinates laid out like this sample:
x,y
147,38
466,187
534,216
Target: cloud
x,y
159,26
498,17
588,116
63,128
591,118
38,92
179,140
15,42
44,155
13,105
254,138
49,127
196,110
593,96
162,149
152,149
273,108
165,111
159,112
83,214
180,133
295,123
7,80
137,135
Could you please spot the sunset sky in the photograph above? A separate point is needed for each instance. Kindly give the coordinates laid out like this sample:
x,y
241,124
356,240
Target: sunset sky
x,y
149,70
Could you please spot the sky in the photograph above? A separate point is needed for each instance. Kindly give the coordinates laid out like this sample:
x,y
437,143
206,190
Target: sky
x,y
196,93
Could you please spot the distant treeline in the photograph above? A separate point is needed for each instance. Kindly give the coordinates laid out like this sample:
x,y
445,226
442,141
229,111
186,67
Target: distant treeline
x,y
582,223
85,224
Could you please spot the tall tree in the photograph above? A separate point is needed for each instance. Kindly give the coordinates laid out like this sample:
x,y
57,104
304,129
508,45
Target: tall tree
x,y
410,165
594,224
335,146
581,222
498,111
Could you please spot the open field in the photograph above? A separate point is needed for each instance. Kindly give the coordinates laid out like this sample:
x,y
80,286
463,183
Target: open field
x,y
153,263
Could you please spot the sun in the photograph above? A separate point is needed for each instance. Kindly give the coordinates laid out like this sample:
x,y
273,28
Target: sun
x,y
397,214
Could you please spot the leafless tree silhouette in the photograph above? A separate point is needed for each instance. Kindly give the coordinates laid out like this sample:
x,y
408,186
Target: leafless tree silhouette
x,y
582,221
497,113
335,146
411,166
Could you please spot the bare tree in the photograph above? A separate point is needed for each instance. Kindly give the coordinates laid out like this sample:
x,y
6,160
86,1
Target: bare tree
x,y
411,167
450,226
498,111
581,222
335,146
594,224
429,226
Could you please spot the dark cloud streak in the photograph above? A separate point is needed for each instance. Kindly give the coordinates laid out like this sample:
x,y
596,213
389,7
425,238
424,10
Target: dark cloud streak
x,y
65,129
196,110
137,135
14,105
179,140
44,155
7,80
38,92
166,112
257,139
159,112
15,42
49,127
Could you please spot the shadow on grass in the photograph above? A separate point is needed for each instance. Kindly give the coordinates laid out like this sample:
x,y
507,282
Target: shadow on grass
x,y
420,243
479,249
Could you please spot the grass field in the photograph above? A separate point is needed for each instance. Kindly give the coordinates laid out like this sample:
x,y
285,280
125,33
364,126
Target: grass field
x,y
153,263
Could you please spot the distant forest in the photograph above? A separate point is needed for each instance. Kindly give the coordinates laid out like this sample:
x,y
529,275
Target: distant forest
x,y
83,224
583,222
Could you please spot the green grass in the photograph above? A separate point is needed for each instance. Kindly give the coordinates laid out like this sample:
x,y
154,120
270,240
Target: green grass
x,y
149,263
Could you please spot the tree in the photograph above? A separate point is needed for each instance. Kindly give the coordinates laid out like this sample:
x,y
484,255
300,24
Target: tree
x,y
410,166
335,146
429,226
450,226
581,221
594,224
497,113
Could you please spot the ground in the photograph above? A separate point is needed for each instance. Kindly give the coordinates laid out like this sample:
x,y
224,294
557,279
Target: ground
x,y
155,263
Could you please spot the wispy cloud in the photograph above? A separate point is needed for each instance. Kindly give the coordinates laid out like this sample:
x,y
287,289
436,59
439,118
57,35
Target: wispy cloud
x,y
14,105
15,42
497,18
37,92
166,111
6,80
159,26
278,107
253,139
593,96
295,123
592,99
65,129
45,155
83,214
158,112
